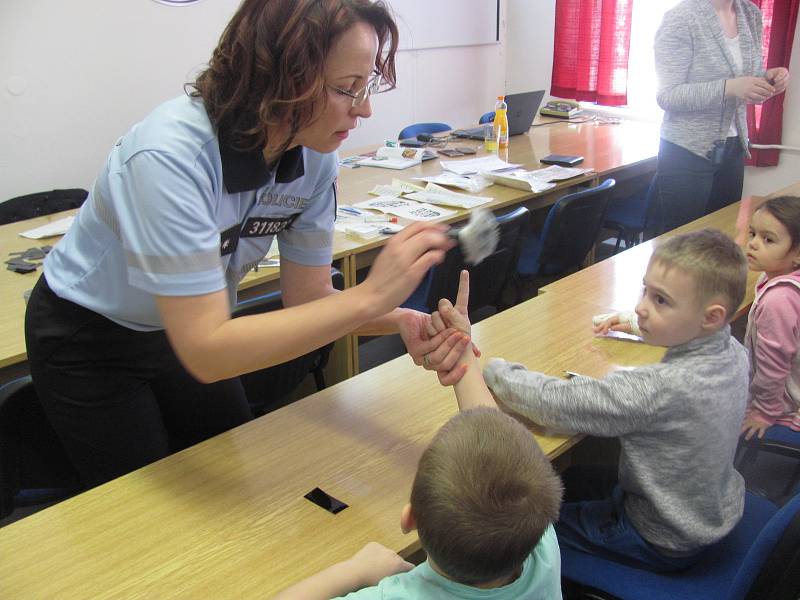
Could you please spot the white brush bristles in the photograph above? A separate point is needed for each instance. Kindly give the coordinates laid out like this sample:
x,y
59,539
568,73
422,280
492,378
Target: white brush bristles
x,y
480,236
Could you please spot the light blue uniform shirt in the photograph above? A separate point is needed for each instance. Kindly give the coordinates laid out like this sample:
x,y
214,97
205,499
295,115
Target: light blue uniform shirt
x,y
540,580
176,213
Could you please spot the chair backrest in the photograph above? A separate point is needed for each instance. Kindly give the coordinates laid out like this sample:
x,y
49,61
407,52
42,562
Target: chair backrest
x,y
771,567
34,465
413,130
488,277
268,389
486,118
572,227
40,203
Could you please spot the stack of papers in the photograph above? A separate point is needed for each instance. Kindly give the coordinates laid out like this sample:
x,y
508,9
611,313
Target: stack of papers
x,y
436,194
431,194
397,188
488,164
468,183
393,158
407,209
536,181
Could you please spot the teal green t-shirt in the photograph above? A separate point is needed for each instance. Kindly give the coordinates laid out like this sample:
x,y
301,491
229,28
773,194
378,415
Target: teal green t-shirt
x,y
540,580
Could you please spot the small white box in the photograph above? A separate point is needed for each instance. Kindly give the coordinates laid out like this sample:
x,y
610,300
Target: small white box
x,y
363,231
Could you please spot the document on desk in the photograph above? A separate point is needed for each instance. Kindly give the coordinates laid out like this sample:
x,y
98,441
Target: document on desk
x,y
520,180
53,229
393,158
537,181
397,188
436,194
407,209
488,164
469,183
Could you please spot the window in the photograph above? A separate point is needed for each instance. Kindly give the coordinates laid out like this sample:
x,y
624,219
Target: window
x,y
645,20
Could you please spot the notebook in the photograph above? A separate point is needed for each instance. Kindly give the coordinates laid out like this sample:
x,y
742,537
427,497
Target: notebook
x,y
521,111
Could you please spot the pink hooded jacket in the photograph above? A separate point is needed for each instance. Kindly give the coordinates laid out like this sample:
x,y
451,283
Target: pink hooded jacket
x,y
773,339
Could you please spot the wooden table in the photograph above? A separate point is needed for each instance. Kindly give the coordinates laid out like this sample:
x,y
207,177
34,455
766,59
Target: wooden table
x,y
624,150
617,281
227,518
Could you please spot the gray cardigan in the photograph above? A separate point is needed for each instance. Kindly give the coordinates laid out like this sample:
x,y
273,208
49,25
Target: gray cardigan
x,y
692,64
678,424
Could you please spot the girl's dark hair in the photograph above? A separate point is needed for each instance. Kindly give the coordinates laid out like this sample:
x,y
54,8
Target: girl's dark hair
x,y
266,76
787,210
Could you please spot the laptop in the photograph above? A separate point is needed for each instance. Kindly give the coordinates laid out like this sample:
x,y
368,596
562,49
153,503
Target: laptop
x,y
521,111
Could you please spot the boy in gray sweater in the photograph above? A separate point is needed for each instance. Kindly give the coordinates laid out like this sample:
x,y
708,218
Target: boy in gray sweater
x,y
676,491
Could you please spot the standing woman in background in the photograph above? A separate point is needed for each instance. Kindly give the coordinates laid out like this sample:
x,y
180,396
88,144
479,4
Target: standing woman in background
x,y
129,333
709,66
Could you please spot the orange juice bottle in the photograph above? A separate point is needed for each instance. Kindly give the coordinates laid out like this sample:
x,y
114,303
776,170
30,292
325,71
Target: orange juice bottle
x,y
500,128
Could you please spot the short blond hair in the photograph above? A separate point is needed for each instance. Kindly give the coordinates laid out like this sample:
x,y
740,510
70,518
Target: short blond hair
x,y
483,496
713,260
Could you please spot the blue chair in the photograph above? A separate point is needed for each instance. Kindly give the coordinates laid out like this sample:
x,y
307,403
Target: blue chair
x,y
569,233
269,389
628,216
413,130
759,558
34,466
487,279
778,439
486,118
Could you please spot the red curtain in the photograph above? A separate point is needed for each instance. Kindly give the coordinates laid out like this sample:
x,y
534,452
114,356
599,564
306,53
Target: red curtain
x,y
590,54
765,121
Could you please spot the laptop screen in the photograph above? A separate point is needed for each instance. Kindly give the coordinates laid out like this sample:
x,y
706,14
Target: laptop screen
x,y
522,109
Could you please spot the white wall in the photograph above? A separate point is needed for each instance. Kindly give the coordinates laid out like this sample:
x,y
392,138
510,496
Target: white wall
x,y
74,76
529,45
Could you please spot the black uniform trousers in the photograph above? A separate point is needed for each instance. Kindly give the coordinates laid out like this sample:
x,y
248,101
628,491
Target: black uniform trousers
x,y
118,398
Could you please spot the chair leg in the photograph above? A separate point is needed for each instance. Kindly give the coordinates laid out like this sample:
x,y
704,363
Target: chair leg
x,y
319,378
746,454
792,482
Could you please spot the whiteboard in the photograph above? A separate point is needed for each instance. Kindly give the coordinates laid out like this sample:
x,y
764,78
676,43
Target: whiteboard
x,y
446,23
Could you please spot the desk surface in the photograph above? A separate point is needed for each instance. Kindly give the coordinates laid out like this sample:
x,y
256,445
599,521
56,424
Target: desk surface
x,y
227,518
606,148
617,281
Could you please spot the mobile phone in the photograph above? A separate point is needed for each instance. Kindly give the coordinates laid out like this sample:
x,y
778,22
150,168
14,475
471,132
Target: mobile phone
x,y
466,150
451,152
325,500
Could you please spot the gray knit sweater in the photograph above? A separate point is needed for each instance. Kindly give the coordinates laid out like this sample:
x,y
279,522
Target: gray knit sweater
x,y
692,64
678,423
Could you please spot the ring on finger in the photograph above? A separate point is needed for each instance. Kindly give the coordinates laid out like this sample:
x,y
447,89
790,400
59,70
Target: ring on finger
x,y
425,361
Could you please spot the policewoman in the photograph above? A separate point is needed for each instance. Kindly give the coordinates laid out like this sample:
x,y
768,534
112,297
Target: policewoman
x,y
129,334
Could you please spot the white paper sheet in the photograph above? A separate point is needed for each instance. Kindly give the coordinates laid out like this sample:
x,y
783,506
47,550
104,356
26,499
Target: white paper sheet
x,y
475,165
393,158
407,209
55,228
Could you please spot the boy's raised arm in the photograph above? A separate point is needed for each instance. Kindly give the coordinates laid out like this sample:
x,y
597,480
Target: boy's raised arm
x,y
470,388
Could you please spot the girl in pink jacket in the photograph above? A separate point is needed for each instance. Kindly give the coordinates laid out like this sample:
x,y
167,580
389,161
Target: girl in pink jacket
x,y
773,325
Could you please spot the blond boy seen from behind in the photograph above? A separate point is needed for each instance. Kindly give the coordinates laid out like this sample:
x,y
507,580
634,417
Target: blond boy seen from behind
x,y
483,501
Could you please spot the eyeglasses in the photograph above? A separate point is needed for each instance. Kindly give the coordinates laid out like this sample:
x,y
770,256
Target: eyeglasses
x,y
376,85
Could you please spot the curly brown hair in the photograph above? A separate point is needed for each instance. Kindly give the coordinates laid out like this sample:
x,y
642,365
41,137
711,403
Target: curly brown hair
x,y
266,80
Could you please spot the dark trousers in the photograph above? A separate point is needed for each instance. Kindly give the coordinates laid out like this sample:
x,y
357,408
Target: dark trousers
x,y
688,186
118,398
593,520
